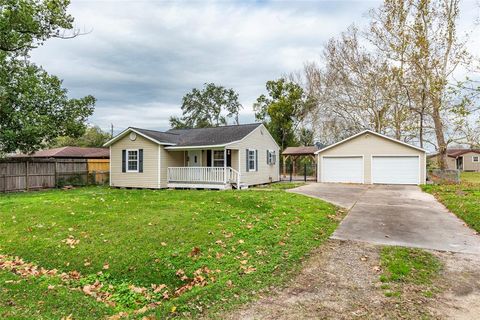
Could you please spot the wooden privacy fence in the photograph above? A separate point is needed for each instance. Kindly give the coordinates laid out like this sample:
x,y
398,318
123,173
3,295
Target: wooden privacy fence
x,y
26,174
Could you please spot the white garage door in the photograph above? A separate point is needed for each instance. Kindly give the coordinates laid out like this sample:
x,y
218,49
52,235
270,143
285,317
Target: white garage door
x,y
342,169
395,170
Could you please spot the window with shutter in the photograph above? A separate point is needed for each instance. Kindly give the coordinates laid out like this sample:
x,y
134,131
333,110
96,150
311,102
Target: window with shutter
x,y
251,160
132,160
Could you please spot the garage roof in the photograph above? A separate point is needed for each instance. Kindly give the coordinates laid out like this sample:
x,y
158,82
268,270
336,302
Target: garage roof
x,y
374,133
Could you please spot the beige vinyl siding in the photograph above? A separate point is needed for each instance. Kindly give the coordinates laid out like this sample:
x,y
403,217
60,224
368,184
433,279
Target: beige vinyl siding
x,y
468,164
451,163
368,145
146,179
260,140
235,159
169,158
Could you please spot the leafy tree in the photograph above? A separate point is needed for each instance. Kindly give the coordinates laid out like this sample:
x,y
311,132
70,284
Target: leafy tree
x,y
34,107
93,137
305,137
282,110
210,107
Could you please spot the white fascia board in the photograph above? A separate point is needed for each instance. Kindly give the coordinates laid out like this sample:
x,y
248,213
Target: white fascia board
x,y
374,133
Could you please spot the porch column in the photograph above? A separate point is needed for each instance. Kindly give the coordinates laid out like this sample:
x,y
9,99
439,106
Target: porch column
x,y
225,165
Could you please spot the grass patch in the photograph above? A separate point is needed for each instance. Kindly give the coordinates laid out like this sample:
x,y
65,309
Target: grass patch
x,y
470,177
32,298
407,266
462,199
249,239
281,185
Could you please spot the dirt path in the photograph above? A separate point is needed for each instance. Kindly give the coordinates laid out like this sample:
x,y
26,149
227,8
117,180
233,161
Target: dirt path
x,y
341,281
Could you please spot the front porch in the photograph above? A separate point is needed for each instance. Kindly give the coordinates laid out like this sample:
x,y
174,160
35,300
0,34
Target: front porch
x,y
204,168
203,177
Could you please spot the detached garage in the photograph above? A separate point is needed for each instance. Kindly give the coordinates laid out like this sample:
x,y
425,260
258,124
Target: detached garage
x,y
372,158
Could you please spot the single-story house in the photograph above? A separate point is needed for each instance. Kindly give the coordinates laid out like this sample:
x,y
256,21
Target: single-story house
x,y
371,158
460,159
217,158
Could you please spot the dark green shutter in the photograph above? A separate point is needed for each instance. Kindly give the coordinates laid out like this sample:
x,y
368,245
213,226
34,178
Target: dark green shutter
x,y
209,158
140,160
124,160
256,160
247,168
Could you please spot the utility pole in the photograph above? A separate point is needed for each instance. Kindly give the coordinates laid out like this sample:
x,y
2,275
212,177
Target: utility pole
x,y
111,130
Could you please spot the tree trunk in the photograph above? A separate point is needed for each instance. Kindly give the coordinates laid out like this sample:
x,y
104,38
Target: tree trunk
x,y
442,145
420,129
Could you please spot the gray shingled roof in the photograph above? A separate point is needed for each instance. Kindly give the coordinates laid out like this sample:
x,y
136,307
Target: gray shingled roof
x,y
159,136
69,152
201,136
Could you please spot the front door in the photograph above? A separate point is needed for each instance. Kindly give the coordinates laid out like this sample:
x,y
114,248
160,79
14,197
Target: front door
x,y
460,163
195,158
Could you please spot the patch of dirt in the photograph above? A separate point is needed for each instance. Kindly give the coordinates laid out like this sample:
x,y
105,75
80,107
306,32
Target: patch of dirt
x,y
460,280
341,281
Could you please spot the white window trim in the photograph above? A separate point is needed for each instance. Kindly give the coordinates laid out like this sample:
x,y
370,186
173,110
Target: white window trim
x,y
218,159
127,160
272,157
478,159
254,160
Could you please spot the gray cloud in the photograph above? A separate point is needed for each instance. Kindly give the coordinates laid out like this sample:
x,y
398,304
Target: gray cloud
x,y
141,57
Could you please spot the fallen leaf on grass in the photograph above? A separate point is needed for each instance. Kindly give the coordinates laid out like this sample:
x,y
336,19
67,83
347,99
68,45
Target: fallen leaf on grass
x,y
247,270
71,241
106,266
195,252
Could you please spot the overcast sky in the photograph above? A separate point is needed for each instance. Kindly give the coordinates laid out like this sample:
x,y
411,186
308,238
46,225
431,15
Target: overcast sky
x,y
141,57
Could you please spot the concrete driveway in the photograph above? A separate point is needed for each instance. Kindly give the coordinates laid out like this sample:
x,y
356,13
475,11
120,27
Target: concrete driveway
x,y
395,215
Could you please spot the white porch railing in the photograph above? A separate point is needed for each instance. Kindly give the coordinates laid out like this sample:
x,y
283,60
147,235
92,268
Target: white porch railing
x,y
214,175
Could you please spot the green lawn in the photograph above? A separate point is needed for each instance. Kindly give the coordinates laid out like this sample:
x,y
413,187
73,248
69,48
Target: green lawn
x,y
283,185
407,266
470,177
218,248
462,199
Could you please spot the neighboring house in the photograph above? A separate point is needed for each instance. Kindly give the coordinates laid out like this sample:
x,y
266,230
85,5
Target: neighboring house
x,y
369,157
460,159
68,153
215,158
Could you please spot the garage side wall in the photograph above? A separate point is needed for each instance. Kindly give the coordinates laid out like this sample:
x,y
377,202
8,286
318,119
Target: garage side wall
x,y
146,179
368,145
